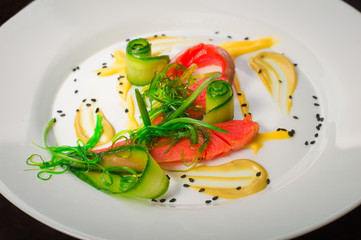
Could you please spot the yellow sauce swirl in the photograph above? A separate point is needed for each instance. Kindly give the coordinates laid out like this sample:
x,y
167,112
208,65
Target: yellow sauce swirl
x,y
238,48
132,122
278,74
258,141
235,179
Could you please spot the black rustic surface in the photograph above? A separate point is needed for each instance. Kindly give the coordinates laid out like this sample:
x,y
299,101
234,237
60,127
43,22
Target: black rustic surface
x,y
15,224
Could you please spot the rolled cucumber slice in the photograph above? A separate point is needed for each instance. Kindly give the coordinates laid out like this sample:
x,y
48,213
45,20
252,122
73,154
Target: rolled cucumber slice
x,y
152,182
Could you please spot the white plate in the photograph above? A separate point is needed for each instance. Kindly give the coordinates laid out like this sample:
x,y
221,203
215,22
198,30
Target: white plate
x,y
46,40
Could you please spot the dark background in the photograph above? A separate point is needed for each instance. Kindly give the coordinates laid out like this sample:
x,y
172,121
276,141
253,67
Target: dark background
x,y
15,224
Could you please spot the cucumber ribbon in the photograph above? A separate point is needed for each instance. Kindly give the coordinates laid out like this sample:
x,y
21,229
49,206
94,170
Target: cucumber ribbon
x,y
151,184
219,102
141,66
126,170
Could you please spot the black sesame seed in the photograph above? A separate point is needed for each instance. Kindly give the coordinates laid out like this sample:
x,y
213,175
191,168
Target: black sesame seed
x,y
295,64
84,99
321,119
77,67
183,176
216,32
239,94
127,40
74,69
280,81
201,190
74,79
208,201
244,105
258,174
77,110
260,70
229,36
316,135
214,198
173,200
186,185
306,143
54,119
62,115
121,76
59,111
316,104
290,96
93,100
191,179
153,200
98,73
88,104
126,110
268,181
291,133
163,35
76,91
168,177
281,129
104,67
104,64
246,38
295,117
318,127
155,35
312,142
162,200
238,188
120,92
97,110
120,83
314,97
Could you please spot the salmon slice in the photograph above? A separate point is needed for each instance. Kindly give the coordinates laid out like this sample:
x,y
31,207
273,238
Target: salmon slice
x,y
182,150
209,58
241,132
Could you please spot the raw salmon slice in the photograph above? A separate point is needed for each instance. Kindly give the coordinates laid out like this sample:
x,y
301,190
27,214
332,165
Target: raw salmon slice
x,y
241,132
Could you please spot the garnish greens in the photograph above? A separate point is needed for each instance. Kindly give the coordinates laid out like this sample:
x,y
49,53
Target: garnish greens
x,y
169,99
129,170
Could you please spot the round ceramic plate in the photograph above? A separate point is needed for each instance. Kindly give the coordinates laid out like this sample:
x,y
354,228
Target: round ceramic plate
x,y
311,185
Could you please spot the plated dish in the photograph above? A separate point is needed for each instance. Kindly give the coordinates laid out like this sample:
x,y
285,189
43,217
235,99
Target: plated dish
x,y
285,173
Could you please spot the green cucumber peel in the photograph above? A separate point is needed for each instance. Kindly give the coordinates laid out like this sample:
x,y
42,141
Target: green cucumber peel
x,y
219,102
141,66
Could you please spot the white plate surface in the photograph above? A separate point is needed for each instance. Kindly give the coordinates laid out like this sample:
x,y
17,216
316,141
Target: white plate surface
x,y
47,39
